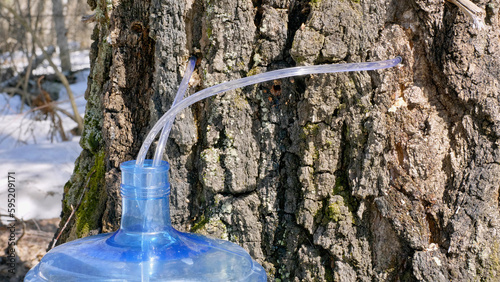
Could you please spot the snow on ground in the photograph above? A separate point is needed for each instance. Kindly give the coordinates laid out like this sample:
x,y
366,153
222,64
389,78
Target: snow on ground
x,y
41,167
79,60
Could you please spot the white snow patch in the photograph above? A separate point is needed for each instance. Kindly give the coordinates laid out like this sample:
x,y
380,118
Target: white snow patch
x,y
79,60
41,167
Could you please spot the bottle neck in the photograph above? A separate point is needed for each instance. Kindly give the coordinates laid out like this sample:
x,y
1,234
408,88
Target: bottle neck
x,y
145,215
145,194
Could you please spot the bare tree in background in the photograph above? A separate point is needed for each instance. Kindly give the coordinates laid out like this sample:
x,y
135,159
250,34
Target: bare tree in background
x,y
62,39
38,43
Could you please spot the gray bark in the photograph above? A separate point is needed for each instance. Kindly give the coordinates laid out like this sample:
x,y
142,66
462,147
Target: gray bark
x,y
62,39
373,176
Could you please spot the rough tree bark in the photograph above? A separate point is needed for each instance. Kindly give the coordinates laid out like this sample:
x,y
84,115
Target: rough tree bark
x,y
371,176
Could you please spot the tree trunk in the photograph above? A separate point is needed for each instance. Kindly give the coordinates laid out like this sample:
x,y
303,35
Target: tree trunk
x,y
371,176
62,39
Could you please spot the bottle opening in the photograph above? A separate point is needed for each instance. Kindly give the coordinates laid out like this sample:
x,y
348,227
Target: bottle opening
x,y
144,182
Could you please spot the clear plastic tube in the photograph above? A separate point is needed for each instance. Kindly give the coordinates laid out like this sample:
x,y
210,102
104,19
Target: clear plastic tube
x,y
168,125
254,79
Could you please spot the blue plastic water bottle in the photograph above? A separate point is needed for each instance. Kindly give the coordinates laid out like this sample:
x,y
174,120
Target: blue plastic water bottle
x,y
147,247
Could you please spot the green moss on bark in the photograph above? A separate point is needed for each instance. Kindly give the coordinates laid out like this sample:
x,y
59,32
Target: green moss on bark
x,y
200,224
87,218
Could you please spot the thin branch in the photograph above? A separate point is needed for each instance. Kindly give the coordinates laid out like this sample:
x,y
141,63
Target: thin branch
x,y
65,112
18,220
27,78
12,90
36,224
56,70
56,108
17,80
